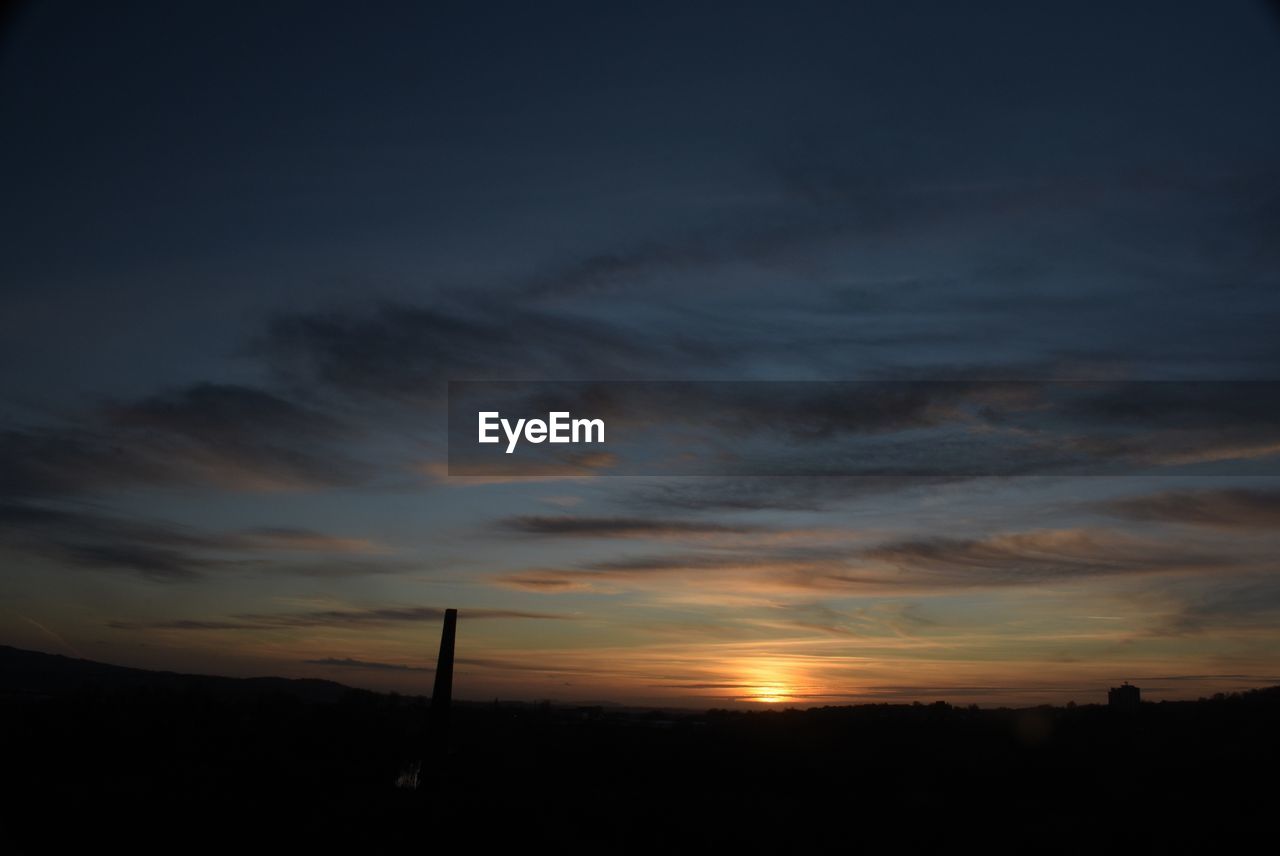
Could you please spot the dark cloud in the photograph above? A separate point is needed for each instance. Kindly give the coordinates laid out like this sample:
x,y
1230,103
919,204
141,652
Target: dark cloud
x,y
152,549
166,551
241,436
619,527
230,436
546,581
691,561
634,568
537,665
813,412
407,352
783,235
759,493
21,519
1039,556
808,204
150,562
1176,423
58,461
183,624
330,567
1246,604
379,617
815,200
707,686
306,540
220,414
1230,508
924,564
1177,404
755,568
348,663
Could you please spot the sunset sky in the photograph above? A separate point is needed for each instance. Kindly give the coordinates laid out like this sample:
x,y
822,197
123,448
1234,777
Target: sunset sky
x,y
246,249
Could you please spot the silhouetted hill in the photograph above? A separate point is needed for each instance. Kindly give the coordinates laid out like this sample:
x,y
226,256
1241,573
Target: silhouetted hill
x,y
28,673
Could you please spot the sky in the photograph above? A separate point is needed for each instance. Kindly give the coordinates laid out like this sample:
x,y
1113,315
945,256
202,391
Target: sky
x,y
246,247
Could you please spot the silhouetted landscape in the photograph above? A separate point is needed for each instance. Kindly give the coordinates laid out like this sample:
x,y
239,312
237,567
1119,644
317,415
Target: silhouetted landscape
x,y
128,753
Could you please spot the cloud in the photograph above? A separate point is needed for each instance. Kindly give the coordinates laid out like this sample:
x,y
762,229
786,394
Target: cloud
x,y
150,562
466,470
743,566
405,352
307,540
810,207
920,565
151,549
164,551
348,663
768,570
548,581
878,620
553,471
59,461
240,437
377,617
1038,557
619,527
1226,509
706,686
762,493
537,662
1244,605
228,436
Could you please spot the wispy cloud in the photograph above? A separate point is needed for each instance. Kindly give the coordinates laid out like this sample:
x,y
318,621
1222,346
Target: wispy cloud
x,y
348,663
935,564
569,526
165,551
1228,508
228,436
379,617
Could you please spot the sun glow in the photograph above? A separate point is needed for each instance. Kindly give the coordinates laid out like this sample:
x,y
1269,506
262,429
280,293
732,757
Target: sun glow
x,y
769,695
771,680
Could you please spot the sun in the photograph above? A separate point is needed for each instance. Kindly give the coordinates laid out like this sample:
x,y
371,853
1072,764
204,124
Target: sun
x,y
770,695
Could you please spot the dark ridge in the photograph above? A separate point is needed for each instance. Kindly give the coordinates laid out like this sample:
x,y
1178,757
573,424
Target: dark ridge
x,y
34,674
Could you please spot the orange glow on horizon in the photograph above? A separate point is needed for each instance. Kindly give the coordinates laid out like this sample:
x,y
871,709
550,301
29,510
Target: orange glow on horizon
x,y
773,680
769,695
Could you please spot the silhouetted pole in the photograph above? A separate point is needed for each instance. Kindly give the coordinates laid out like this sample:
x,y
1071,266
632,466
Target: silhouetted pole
x,y
442,692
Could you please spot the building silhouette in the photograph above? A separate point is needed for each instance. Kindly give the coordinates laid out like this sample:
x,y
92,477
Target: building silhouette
x,y
1124,696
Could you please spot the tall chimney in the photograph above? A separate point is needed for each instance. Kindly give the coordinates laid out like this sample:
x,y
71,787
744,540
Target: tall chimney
x,y
442,692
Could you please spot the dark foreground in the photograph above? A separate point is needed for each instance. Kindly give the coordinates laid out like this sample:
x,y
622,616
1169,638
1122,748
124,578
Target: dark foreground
x,y
165,762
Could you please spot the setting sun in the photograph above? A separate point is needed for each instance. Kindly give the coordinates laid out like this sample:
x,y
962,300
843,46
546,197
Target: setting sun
x,y
769,680
770,695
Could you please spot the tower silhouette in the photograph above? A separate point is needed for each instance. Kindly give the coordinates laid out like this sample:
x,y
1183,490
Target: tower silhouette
x,y
442,691
433,747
